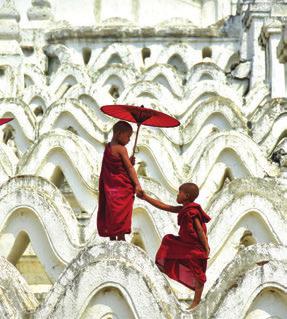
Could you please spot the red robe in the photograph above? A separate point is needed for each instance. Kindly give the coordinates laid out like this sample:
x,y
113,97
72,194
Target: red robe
x,y
183,257
116,197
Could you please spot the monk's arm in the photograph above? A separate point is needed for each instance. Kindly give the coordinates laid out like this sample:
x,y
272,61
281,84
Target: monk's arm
x,y
158,204
129,167
201,234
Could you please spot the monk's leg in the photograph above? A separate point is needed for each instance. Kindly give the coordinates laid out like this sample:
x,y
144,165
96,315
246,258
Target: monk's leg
x,y
113,238
121,237
197,295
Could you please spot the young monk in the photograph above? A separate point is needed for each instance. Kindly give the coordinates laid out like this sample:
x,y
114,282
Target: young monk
x,y
117,185
184,257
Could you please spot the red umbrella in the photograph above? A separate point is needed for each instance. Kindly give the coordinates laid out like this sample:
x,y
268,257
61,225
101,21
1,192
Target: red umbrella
x,y
5,120
141,116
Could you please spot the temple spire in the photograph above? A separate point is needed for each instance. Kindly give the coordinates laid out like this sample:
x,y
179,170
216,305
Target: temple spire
x,y
8,11
40,10
9,18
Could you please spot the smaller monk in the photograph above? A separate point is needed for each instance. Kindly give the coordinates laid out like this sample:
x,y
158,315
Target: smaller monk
x,y
117,185
184,257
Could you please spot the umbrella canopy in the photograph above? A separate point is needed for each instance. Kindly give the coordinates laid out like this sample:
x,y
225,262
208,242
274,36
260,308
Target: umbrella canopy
x,y
140,115
5,120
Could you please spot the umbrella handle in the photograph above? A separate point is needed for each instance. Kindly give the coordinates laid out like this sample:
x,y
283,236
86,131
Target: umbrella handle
x,y
137,134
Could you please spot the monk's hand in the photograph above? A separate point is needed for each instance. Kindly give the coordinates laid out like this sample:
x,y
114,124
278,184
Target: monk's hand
x,y
141,194
138,189
133,160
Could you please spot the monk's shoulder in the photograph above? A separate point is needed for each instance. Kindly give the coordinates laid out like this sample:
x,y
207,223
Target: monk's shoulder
x,y
192,211
118,149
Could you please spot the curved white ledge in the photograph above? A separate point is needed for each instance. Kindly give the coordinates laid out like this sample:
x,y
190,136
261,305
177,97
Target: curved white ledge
x,y
68,151
205,68
185,52
165,75
8,163
114,265
116,49
17,301
269,125
66,71
252,270
218,111
205,88
259,94
126,73
33,205
35,74
24,119
148,91
70,112
35,92
213,150
253,205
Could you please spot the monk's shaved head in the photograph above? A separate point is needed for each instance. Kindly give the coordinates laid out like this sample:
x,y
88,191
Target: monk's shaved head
x,y
121,127
190,189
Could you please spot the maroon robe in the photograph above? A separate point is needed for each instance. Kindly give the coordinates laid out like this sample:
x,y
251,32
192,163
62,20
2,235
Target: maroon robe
x,y
183,258
116,197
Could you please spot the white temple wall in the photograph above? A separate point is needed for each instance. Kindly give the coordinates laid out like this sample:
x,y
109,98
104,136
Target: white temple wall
x,y
160,52
153,13
63,60
76,13
141,12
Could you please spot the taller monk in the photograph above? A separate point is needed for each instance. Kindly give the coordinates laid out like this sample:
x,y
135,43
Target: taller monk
x,y
117,185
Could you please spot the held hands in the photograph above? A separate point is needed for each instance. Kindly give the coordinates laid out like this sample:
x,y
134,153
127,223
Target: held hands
x,y
138,190
133,160
140,194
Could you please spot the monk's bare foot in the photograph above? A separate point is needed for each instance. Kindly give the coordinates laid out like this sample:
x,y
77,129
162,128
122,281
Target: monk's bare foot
x,y
193,305
113,238
122,237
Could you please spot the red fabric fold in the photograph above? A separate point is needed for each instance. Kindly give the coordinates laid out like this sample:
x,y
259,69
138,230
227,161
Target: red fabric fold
x,y
116,197
183,258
